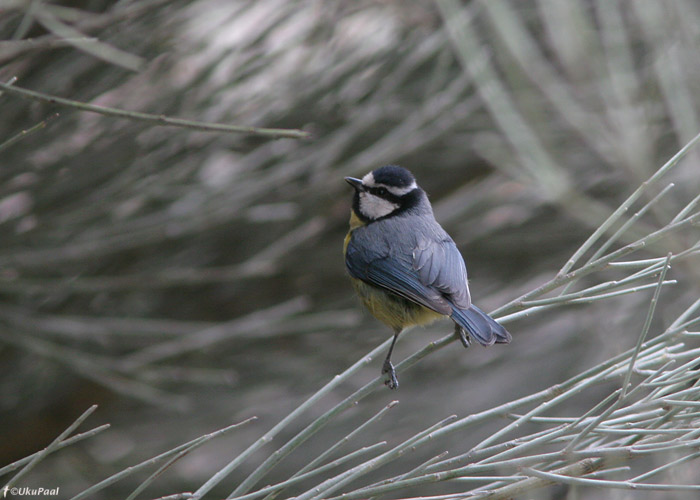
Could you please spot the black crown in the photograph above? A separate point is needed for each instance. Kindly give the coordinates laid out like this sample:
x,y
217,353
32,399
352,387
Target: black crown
x,y
393,175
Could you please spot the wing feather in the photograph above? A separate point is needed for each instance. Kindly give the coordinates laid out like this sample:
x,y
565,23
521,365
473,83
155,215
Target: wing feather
x,y
429,272
440,266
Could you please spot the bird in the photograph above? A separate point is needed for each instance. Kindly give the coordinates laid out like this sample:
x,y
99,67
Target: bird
x,y
405,268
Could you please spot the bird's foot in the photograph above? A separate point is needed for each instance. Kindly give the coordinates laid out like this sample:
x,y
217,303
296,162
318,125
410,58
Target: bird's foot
x,y
463,336
392,382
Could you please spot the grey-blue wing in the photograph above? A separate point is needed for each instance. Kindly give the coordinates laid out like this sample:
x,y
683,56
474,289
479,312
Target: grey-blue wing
x,y
440,266
425,268
395,273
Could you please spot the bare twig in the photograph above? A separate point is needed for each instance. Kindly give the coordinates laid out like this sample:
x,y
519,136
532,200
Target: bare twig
x,y
272,133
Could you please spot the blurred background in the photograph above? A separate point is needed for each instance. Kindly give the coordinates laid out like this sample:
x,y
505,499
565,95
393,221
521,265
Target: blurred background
x,y
187,280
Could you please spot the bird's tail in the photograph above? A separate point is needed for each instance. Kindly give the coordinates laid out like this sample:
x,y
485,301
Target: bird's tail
x,y
480,326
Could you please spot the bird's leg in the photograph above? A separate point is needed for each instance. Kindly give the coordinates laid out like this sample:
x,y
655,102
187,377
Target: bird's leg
x,y
462,335
392,382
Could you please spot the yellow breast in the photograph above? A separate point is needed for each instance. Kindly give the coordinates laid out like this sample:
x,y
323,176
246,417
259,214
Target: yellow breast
x,y
393,310
355,222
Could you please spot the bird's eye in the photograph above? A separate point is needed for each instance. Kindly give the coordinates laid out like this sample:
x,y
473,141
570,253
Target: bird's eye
x,y
382,191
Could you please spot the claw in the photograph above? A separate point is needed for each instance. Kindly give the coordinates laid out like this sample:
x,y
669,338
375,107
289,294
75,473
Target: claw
x,y
392,382
463,336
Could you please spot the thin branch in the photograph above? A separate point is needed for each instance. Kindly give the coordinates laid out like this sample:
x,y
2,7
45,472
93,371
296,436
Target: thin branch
x,y
628,485
647,325
273,133
157,459
95,48
27,132
66,442
55,444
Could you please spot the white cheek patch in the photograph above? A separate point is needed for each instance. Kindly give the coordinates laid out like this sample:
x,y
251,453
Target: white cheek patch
x,y
374,207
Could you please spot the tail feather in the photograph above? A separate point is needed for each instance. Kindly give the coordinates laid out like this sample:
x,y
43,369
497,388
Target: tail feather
x,y
480,326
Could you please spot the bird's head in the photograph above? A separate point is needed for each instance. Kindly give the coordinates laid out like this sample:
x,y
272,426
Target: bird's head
x,y
385,192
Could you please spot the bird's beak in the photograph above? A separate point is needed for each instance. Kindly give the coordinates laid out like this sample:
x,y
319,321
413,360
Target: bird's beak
x,y
355,183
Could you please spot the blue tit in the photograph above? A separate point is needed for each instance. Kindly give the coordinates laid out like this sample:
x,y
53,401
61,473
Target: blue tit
x,y
403,265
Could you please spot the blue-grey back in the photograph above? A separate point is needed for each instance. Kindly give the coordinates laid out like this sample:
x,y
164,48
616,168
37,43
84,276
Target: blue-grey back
x,y
411,255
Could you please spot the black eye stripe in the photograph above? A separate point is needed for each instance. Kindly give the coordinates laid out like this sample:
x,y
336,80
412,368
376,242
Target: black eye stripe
x,y
383,192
